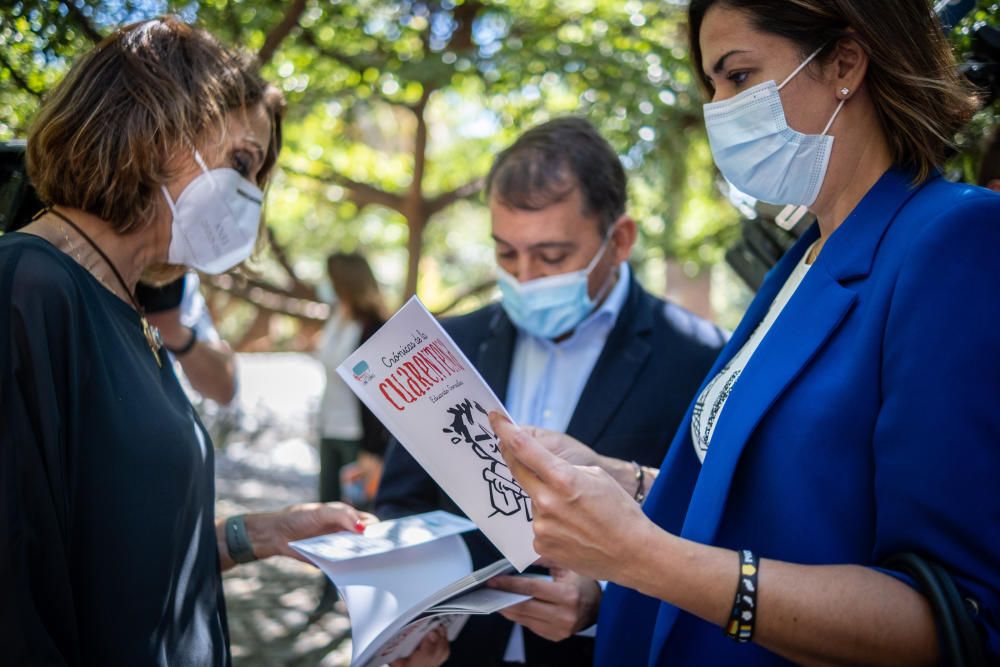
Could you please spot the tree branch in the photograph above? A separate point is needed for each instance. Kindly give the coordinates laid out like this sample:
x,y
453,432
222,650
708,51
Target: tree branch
x,y
269,298
278,33
299,288
465,15
446,199
420,146
21,82
362,194
462,296
88,29
348,61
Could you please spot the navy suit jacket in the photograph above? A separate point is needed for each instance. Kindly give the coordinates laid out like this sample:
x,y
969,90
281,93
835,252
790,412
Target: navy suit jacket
x,y
656,352
867,423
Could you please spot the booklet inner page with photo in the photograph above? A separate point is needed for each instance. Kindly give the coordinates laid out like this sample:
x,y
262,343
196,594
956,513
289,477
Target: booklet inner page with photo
x,y
403,578
413,377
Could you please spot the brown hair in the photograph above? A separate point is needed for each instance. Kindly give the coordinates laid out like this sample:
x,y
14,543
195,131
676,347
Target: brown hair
x,y
920,99
355,285
549,161
102,139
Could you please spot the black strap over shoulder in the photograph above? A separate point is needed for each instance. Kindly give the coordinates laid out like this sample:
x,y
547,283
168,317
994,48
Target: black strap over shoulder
x,y
961,643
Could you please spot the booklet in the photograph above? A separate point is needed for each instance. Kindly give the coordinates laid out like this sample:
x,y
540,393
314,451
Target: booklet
x,y
403,578
413,377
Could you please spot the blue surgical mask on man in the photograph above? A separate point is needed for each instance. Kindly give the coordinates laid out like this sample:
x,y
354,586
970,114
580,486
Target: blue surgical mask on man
x,y
552,306
760,154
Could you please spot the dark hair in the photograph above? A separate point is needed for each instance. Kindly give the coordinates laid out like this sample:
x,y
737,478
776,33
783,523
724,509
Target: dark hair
x,y
355,285
920,99
989,169
103,136
549,161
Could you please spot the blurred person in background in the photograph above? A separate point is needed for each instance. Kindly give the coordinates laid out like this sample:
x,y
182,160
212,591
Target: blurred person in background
x,y
148,155
352,441
179,312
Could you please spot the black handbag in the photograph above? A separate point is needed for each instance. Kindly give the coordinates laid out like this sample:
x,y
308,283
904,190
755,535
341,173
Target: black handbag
x,y
961,643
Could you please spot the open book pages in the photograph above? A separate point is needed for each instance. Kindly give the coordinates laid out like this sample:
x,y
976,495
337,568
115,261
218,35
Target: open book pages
x,y
403,578
385,536
414,378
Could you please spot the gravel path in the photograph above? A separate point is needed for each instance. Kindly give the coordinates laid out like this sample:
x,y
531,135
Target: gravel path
x,y
266,459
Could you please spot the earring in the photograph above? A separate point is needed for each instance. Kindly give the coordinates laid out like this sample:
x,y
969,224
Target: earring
x,y
845,91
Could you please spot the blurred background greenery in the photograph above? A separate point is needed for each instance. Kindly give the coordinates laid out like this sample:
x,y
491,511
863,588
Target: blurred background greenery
x,y
396,109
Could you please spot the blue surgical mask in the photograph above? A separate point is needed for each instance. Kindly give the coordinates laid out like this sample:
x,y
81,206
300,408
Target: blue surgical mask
x,y
552,306
759,154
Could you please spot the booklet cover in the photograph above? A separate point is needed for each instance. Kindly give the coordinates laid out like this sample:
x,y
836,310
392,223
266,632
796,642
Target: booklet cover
x,y
413,377
401,579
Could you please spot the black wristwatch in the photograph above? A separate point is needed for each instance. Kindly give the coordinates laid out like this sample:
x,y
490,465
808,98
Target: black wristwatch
x,y
186,347
238,540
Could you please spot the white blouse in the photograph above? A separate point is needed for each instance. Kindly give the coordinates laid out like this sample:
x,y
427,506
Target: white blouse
x,y
713,398
339,409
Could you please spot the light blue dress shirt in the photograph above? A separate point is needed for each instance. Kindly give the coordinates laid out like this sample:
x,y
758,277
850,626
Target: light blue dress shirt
x,y
547,379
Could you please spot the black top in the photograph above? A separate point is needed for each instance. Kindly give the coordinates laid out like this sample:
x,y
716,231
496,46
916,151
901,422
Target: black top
x,y
108,552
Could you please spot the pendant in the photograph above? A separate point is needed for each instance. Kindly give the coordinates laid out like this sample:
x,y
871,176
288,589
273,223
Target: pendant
x,y
153,340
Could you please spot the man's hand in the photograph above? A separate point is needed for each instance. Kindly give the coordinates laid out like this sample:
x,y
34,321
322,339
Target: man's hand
x,y
560,608
564,446
173,333
210,366
433,651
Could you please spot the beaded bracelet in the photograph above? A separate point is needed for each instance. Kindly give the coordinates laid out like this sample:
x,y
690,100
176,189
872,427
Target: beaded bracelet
x,y
744,615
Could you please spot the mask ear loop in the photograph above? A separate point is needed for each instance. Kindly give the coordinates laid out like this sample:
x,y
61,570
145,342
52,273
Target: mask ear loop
x,y
593,264
834,117
170,202
801,67
204,169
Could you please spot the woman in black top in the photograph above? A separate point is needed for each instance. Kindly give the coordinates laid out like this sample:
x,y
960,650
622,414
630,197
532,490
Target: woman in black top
x,y
149,155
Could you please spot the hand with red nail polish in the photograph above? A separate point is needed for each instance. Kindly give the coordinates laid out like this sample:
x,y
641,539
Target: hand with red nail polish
x,y
271,532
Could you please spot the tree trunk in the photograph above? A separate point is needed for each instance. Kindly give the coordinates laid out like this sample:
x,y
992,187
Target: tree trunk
x,y
416,205
414,249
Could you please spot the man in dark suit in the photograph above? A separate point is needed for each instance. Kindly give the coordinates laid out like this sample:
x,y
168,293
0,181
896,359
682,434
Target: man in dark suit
x,y
575,345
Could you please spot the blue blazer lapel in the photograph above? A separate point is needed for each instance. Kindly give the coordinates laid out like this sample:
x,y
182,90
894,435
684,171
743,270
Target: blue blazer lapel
x,y
758,308
819,305
810,319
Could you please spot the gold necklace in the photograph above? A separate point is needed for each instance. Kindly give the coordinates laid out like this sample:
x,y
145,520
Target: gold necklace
x,y
71,247
814,250
151,333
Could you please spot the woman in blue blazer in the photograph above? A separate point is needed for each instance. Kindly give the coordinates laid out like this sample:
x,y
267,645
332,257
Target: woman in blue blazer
x,y
855,413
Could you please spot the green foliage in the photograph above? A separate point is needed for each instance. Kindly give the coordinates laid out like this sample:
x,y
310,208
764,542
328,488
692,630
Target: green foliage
x,y
366,78
355,74
971,140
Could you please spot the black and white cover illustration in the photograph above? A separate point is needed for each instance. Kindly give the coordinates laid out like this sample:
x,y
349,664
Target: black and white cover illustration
x,y
470,426
414,378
